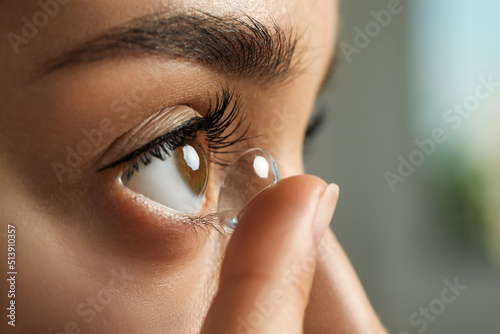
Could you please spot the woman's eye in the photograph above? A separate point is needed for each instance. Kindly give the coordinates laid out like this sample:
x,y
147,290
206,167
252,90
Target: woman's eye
x,y
177,182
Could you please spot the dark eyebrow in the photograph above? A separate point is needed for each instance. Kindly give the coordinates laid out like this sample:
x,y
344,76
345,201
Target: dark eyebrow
x,y
237,48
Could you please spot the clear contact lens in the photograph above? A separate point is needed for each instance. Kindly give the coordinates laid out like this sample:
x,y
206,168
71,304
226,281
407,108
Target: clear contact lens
x,y
251,173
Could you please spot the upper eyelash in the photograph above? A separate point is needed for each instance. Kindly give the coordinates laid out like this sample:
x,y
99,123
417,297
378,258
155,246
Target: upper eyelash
x,y
217,122
213,124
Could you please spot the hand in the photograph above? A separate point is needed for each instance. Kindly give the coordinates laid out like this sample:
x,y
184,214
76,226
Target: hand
x,y
274,277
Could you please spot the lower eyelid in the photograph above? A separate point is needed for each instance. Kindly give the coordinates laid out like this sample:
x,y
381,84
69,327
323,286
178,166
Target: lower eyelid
x,y
141,228
207,218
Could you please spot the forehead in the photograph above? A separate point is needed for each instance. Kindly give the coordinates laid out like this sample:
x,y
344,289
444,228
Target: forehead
x,y
74,22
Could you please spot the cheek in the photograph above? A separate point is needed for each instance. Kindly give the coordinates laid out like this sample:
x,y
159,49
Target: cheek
x,y
167,269
136,228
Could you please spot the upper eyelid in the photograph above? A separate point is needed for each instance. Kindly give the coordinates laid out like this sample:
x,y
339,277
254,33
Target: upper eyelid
x,y
213,123
157,125
150,145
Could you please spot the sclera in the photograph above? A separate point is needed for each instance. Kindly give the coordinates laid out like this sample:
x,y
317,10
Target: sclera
x,y
252,172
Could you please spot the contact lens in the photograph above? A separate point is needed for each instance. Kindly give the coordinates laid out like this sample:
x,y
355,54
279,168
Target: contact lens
x,y
252,172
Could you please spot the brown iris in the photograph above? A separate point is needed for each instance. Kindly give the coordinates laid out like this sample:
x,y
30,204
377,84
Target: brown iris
x,y
192,164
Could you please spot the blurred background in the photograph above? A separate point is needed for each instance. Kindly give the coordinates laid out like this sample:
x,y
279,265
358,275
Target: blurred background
x,y
412,139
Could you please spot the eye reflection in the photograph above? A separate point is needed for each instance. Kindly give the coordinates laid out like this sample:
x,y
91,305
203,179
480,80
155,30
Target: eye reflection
x,y
177,182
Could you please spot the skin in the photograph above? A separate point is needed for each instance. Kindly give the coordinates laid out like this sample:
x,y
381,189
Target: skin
x,y
94,258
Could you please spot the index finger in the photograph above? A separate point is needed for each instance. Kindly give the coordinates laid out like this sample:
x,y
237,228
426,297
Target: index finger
x,y
267,271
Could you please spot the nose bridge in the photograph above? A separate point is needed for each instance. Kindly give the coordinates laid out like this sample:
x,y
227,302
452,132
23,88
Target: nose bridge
x,y
280,133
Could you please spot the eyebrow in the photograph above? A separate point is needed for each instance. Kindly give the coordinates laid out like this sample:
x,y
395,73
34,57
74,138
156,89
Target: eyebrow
x,y
237,48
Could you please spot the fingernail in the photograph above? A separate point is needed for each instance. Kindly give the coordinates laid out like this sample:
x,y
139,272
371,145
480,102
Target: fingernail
x,y
324,211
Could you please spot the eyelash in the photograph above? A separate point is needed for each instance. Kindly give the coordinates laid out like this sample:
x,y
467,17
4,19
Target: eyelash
x,y
213,125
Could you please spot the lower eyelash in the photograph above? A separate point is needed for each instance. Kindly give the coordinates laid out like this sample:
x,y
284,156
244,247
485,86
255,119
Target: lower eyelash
x,y
207,222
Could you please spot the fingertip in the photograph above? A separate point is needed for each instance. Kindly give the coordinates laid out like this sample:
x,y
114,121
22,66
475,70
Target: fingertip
x,y
325,210
278,227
